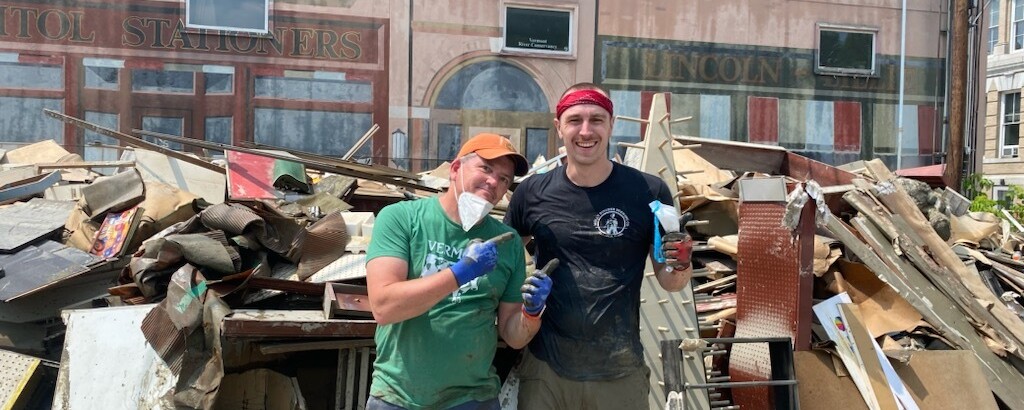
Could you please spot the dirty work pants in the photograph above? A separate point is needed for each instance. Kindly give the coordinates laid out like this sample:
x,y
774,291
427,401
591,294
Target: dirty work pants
x,y
540,388
374,403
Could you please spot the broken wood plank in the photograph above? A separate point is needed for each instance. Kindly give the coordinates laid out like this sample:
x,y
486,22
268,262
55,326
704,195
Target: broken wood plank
x,y
728,280
946,282
255,324
133,141
86,165
275,348
899,203
937,309
866,205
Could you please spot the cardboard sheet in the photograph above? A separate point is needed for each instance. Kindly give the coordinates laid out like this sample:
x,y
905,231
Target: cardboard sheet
x,y
884,311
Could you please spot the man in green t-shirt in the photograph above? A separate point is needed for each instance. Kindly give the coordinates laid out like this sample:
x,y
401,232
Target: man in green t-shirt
x,y
437,286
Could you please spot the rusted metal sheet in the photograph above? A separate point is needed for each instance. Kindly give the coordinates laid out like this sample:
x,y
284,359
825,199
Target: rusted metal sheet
x,y
773,287
802,168
293,324
345,300
92,374
738,156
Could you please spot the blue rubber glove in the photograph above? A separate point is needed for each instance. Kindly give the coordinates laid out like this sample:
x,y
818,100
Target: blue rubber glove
x,y
478,259
536,289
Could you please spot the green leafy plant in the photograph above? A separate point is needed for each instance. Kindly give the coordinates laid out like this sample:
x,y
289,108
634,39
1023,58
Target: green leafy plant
x,y
976,184
976,187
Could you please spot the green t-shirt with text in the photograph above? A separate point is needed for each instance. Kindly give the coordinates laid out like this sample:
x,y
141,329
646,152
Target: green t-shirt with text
x,y
442,358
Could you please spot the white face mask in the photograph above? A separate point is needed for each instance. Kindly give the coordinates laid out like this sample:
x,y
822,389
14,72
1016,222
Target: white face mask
x,y
472,208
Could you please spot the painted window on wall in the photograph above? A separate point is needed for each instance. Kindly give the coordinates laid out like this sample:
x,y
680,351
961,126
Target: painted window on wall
x,y
218,79
31,76
164,125
322,132
163,81
240,16
102,73
844,50
218,129
322,87
1009,125
536,143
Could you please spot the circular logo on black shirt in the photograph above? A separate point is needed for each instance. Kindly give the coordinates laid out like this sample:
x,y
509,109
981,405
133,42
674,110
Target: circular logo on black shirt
x,y
611,222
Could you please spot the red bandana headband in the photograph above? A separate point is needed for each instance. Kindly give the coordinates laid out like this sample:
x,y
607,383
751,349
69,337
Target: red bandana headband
x,y
583,97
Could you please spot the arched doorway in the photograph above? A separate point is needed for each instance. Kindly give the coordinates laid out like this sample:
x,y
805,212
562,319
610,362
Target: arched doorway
x,y
489,96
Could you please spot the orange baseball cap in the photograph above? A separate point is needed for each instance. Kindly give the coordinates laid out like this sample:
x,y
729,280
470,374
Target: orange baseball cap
x,y
491,146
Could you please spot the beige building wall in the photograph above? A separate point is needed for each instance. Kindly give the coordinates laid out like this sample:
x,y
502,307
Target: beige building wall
x,y
1005,75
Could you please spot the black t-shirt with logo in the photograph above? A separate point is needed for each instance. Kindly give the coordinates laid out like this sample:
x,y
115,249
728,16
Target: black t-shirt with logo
x,y
602,235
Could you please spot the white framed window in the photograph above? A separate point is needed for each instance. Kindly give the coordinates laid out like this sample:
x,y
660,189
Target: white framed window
x,y
1018,25
237,16
993,25
543,30
999,192
846,50
1009,125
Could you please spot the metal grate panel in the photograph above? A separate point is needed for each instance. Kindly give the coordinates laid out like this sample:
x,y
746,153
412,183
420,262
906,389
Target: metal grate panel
x,y
16,374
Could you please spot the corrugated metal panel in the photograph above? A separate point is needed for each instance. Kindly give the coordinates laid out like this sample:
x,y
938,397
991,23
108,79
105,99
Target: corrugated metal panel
x,y
819,122
926,132
93,374
847,126
763,119
792,124
715,117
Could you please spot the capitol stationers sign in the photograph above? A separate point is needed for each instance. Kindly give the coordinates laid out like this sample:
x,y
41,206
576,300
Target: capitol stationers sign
x,y
122,26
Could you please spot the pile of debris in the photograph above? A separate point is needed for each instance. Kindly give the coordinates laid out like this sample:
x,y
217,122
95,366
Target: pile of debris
x,y
214,275
242,279
898,268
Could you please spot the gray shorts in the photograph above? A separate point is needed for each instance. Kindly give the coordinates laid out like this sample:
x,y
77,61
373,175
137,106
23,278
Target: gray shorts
x,y
540,388
374,403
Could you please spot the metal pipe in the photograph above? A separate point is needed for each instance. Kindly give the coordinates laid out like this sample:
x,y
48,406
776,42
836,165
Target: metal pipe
x,y
903,69
740,384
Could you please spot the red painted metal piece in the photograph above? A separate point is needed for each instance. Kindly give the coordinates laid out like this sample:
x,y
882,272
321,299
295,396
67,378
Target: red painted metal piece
x,y
773,288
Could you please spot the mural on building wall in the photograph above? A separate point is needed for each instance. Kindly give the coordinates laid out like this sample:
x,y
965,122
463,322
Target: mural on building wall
x,y
773,96
492,95
316,83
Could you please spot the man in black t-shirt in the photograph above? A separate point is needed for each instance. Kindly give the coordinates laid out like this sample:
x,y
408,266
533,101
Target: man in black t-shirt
x,y
594,216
